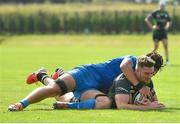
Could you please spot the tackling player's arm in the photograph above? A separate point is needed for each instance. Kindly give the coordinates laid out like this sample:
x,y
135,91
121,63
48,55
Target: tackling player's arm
x,y
126,67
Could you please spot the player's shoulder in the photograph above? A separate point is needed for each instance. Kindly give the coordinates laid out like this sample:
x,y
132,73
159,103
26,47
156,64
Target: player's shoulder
x,y
121,58
121,79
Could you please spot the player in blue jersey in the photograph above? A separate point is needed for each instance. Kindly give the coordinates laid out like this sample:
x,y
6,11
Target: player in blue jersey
x,y
145,74
87,82
160,29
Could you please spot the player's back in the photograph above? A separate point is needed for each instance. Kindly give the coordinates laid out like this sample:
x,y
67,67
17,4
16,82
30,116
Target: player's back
x,y
110,69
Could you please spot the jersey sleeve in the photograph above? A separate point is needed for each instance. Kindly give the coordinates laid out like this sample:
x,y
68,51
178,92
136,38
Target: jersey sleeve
x,y
133,61
151,15
122,85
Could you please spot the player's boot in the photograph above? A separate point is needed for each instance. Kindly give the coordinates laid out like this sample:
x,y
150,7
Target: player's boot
x,y
32,78
58,72
15,107
60,105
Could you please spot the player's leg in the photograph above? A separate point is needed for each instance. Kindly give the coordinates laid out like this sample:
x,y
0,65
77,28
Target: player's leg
x,y
156,45
91,99
31,79
155,40
62,85
66,97
102,100
165,45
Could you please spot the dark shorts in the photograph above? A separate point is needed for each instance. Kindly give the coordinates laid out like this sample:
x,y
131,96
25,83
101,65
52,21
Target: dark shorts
x,y
158,35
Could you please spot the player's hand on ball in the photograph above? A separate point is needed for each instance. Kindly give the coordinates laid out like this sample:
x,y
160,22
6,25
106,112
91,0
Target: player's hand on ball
x,y
157,105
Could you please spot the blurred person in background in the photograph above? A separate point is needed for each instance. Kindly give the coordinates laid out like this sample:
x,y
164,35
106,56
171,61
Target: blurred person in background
x,y
162,22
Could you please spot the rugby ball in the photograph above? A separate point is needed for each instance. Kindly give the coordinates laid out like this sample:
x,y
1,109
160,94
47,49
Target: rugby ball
x,y
140,99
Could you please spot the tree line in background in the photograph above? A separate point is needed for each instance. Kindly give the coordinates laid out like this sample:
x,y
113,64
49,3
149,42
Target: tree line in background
x,y
111,22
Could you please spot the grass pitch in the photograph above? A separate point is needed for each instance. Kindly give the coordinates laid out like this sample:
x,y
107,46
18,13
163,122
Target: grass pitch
x,y
20,55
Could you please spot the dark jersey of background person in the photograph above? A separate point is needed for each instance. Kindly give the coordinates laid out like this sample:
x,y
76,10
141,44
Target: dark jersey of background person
x,y
122,85
160,18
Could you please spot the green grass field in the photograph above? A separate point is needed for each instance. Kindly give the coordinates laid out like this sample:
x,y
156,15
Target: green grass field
x,y
20,55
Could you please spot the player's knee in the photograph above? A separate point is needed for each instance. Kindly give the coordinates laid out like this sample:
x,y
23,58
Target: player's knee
x,y
103,102
61,87
53,89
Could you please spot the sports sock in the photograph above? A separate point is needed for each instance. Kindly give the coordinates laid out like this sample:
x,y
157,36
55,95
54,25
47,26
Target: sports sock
x,y
24,103
87,104
41,77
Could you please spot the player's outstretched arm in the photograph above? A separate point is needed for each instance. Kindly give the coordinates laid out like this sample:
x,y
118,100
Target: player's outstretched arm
x,y
122,102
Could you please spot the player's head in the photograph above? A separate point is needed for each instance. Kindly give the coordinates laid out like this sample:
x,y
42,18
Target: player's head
x,y
158,60
162,5
144,69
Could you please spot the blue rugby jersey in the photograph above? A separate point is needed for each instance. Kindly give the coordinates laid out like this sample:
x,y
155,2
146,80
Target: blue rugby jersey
x,y
107,71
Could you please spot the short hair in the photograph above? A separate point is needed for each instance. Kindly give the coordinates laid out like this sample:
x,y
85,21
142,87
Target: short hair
x,y
157,58
145,61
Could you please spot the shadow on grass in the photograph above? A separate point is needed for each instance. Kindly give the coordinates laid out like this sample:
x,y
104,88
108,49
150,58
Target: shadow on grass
x,y
172,109
169,110
41,109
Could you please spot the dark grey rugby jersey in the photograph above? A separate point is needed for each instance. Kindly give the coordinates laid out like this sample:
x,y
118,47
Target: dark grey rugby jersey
x,y
160,18
122,85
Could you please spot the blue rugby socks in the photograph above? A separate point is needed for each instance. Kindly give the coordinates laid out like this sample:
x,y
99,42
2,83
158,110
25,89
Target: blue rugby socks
x,y
24,103
87,104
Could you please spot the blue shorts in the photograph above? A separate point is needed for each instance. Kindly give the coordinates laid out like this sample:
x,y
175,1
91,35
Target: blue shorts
x,y
86,79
